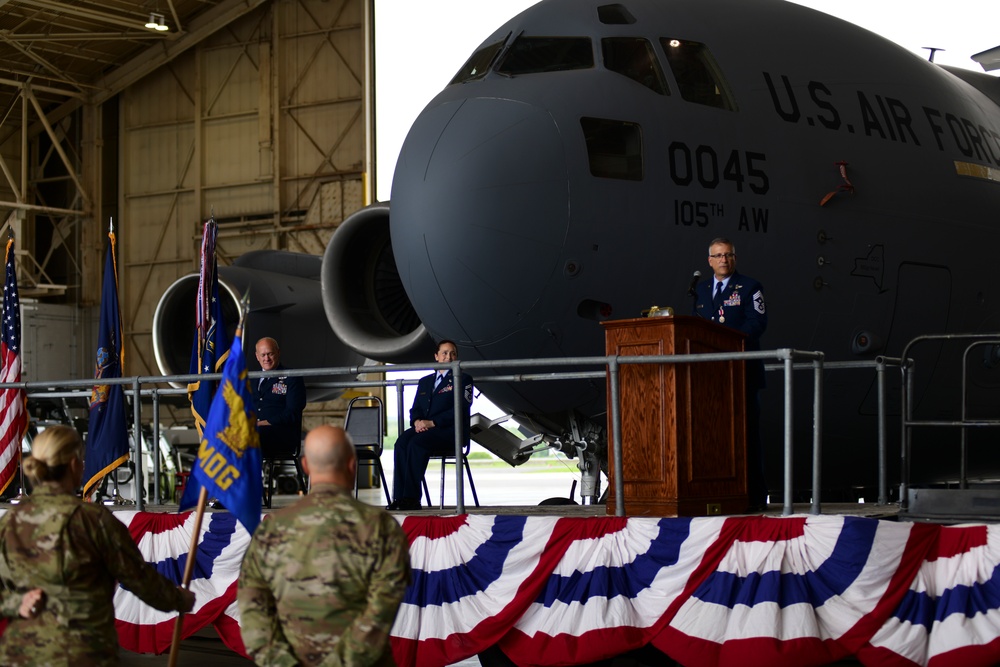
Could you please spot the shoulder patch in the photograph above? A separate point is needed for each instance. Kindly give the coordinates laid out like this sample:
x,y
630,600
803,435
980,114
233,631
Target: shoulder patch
x,y
758,301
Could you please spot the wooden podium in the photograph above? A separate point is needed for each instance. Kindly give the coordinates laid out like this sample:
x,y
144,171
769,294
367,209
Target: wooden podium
x,y
683,425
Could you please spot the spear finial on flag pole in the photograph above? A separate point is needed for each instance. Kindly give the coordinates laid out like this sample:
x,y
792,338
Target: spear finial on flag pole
x,y
228,466
107,444
244,309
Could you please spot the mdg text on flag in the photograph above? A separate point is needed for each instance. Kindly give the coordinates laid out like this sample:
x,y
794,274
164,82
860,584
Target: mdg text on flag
x,y
229,461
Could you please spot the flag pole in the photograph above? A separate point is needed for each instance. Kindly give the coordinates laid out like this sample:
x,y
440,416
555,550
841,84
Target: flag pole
x,y
199,513
21,430
116,496
20,455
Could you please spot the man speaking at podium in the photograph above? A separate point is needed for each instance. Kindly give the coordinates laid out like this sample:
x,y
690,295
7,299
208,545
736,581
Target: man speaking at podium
x,y
737,301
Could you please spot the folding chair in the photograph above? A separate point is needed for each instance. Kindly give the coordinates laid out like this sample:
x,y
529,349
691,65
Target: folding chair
x,y
449,459
364,424
272,466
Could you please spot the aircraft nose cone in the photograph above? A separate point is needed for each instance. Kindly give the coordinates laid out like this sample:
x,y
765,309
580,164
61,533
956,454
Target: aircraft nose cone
x,y
479,215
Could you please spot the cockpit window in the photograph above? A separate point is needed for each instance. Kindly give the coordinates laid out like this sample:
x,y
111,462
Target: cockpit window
x,y
615,15
698,76
633,57
614,148
529,55
477,66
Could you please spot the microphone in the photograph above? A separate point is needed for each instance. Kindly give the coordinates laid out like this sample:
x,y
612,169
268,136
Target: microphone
x,y
694,283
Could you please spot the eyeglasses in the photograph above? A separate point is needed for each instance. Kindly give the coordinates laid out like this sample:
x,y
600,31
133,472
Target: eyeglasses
x,y
720,255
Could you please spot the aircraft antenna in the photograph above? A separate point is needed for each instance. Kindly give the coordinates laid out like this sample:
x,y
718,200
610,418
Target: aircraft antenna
x,y
933,50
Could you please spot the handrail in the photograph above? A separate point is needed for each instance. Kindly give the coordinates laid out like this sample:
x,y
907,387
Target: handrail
x,y
908,371
608,366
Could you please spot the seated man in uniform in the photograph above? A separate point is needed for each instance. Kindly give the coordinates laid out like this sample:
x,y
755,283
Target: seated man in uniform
x,y
432,428
279,401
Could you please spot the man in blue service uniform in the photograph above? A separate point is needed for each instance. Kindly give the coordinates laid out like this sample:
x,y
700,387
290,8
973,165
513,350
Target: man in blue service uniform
x,y
432,428
737,301
279,401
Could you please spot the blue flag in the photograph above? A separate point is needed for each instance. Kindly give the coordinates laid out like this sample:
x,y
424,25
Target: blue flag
x,y
229,464
107,434
211,344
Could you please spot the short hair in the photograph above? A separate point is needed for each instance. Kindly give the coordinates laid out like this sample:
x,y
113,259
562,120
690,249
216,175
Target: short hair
x,y
51,453
445,341
271,340
719,240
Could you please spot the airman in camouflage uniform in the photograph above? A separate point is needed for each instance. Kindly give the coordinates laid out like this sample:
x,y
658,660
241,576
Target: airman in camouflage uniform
x,y
76,553
323,579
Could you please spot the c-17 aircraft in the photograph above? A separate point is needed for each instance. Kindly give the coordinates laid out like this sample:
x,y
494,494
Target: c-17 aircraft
x,y
580,162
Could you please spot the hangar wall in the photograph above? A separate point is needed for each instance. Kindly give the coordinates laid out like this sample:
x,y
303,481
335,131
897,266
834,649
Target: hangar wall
x,y
264,125
260,118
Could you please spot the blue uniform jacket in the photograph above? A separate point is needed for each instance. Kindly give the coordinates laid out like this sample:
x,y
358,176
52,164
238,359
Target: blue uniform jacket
x,y
742,309
280,400
438,406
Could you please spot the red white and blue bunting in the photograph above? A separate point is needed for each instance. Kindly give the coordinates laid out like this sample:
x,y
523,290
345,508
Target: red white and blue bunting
x,y
710,591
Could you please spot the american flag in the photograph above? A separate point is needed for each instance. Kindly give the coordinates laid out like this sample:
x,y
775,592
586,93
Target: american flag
x,y
13,416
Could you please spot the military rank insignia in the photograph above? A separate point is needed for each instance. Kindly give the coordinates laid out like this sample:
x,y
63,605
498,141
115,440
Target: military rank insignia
x,y
758,301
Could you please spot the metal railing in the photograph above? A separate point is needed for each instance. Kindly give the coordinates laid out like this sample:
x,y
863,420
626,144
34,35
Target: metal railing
x,y
880,365
963,422
608,367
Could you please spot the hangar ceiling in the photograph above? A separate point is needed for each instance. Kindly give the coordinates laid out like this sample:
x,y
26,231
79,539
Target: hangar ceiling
x,y
249,110
57,56
92,49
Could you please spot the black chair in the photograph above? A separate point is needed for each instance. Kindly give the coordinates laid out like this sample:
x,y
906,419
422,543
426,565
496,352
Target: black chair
x,y
449,459
272,466
364,424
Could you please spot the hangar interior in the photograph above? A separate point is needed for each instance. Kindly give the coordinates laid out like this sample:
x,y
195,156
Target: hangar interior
x,y
256,111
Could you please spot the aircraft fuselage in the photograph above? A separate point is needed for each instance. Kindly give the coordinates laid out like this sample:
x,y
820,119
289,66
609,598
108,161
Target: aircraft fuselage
x,y
534,199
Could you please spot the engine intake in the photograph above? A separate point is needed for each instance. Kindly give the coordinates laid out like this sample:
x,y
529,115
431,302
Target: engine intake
x,y
285,304
363,295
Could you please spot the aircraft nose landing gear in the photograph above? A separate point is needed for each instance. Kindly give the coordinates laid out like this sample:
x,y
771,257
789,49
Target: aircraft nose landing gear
x,y
589,451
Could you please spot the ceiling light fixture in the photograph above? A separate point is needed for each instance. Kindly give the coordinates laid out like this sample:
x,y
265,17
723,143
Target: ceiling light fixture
x,y
157,22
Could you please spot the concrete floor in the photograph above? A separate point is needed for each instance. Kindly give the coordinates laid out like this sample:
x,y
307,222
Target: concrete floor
x,y
202,648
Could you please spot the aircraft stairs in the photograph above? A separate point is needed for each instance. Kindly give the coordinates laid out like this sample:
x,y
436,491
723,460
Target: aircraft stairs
x,y
970,495
497,439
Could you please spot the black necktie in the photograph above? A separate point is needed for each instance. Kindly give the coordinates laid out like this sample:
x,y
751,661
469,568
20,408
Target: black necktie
x,y
717,301
437,380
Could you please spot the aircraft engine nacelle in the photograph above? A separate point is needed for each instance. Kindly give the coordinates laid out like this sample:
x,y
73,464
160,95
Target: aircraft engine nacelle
x,y
363,295
285,304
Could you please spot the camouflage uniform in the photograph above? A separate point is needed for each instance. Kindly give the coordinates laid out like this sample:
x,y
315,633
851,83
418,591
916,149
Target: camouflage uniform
x,y
75,552
321,583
